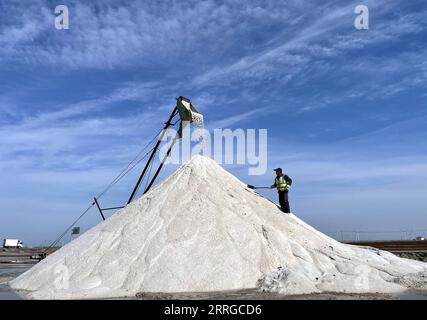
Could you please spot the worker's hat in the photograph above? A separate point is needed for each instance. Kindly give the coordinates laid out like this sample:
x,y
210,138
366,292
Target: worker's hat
x,y
278,169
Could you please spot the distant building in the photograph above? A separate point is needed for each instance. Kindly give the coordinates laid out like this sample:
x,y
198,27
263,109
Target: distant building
x,y
420,238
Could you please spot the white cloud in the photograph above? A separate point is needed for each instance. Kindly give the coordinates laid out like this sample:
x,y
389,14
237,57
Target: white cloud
x,y
214,53
240,118
328,36
103,34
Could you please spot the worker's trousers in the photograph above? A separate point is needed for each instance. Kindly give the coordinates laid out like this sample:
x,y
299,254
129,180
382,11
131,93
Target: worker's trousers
x,y
284,202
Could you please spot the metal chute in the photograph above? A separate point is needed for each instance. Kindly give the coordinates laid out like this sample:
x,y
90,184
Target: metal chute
x,y
188,114
187,111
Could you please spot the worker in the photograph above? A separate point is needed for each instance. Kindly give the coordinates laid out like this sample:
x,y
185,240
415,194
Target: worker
x,y
282,184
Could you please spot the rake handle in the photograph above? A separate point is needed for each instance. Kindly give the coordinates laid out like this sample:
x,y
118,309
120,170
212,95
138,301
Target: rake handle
x,y
253,187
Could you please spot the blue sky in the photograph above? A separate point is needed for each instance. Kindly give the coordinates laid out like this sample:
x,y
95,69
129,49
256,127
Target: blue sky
x,y
345,109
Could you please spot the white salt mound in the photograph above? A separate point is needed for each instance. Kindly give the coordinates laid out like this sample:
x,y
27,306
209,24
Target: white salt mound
x,y
202,230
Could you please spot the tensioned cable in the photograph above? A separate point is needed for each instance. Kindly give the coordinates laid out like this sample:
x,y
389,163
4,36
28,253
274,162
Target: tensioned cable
x,y
151,164
121,175
68,229
87,209
124,172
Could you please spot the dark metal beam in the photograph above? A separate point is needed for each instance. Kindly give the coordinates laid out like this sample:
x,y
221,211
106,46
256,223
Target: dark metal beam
x,y
156,147
163,161
114,208
99,208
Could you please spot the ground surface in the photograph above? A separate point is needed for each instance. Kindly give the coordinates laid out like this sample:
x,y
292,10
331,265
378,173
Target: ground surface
x,y
15,262
10,271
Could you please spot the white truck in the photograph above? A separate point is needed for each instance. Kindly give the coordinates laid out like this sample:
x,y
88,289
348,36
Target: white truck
x,y
12,243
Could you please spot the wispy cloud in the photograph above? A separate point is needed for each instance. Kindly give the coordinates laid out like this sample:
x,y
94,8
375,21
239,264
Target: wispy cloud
x,y
240,119
103,35
294,60
344,108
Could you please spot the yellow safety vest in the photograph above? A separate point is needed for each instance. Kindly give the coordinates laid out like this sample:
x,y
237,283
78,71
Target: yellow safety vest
x,y
281,184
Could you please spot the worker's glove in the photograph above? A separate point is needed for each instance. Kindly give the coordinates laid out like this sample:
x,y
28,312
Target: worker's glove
x,y
272,186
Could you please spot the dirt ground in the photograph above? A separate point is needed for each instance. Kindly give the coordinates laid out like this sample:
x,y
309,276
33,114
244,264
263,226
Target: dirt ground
x,y
256,295
419,256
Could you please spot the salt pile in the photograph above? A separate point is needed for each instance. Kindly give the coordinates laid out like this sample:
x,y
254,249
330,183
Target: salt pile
x,y
202,230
